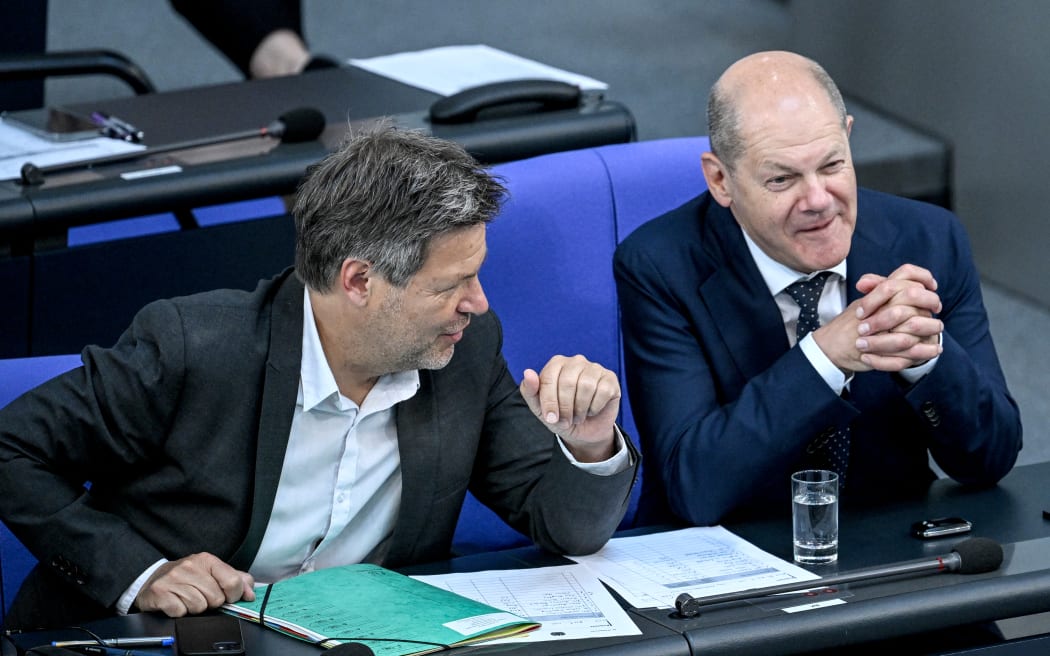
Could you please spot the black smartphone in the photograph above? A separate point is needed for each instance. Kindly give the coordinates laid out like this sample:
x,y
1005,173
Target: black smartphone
x,y
940,527
53,123
208,635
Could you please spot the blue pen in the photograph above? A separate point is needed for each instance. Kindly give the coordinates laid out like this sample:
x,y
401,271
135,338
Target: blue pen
x,y
144,641
116,128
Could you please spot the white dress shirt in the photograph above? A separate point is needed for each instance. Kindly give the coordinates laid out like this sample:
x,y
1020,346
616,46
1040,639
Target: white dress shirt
x,y
340,484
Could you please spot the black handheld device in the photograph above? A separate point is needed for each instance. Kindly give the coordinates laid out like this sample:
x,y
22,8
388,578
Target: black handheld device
x,y
940,527
208,635
53,123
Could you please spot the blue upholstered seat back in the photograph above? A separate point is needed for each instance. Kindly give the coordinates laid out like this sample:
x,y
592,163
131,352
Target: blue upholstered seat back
x,y
16,377
549,269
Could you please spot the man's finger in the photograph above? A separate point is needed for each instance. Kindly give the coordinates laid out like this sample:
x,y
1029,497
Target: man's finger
x,y
915,274
559,381
889,295
530,391
231,583
919,354
193,585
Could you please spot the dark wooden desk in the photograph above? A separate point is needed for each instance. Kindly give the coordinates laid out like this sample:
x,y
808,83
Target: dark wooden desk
x,y
1010,513
254,167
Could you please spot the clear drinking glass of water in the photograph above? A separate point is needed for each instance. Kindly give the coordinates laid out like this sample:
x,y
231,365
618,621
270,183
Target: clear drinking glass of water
x,y
815,515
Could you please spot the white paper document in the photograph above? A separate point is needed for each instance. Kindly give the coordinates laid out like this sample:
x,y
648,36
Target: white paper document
x,y
568,601
18,146
451,69
652,570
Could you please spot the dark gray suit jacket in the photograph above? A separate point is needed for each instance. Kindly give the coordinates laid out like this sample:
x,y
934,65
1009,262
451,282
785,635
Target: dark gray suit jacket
x,y
182,426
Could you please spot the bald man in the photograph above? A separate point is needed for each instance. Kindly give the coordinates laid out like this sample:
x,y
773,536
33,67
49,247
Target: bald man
x,y
893,363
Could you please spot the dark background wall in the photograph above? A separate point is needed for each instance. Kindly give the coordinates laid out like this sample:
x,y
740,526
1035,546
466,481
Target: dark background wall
x,y
978,72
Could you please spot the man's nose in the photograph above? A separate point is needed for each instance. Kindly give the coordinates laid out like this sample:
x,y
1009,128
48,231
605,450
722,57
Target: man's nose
x,y
474,301
816,198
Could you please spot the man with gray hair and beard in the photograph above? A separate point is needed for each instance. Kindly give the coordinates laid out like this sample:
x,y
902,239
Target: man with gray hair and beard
x,y
336,414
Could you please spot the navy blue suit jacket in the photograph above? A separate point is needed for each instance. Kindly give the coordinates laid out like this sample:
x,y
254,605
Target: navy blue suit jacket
x,y
724,407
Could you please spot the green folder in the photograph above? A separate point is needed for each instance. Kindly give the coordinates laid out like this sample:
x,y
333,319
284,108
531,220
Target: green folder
x,y
392,613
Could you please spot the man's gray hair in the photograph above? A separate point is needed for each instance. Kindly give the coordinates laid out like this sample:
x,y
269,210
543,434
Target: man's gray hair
x,y
382,197
723,116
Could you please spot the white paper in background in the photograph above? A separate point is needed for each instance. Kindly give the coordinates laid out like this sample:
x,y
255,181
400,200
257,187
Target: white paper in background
x,y
451,69
652,570
567,600
17,146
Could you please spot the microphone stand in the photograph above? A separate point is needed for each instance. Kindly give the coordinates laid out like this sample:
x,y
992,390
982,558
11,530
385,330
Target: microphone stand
x,y
33,175
307,125
981,555
948,563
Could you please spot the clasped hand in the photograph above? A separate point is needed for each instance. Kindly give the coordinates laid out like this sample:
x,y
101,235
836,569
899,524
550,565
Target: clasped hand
x,y
892,327
577,400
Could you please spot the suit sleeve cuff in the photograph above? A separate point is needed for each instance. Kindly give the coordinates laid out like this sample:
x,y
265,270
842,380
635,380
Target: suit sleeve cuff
x,y
620,461
129,596
827,370
914,374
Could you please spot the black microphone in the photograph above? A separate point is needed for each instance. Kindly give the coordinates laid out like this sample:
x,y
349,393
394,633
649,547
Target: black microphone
x,y
303,124
972,556
351,649
294,126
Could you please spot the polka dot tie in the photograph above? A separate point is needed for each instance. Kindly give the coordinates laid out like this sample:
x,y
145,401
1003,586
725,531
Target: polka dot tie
x,y
807,294
830,450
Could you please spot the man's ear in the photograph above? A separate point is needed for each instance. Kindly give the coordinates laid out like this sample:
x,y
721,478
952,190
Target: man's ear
x,y
717,177
355,280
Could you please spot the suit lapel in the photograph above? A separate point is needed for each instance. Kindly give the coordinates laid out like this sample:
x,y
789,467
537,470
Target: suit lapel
x,y
872,247
419,450
280,386
737,299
